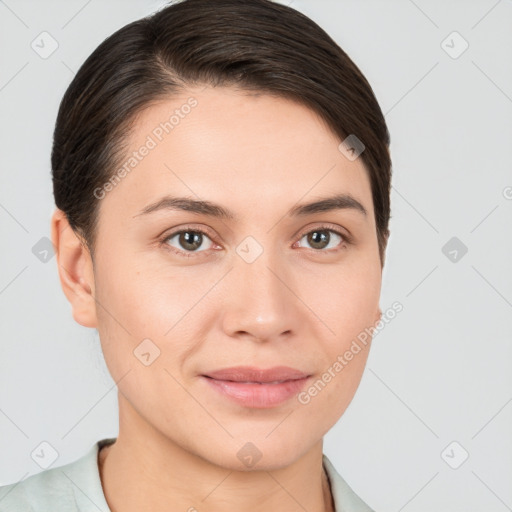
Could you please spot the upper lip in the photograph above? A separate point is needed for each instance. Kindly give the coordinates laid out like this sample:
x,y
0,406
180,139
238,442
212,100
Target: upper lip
x,y
253,374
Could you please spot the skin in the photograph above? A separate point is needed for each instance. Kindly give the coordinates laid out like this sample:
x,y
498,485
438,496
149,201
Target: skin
x,y
295,305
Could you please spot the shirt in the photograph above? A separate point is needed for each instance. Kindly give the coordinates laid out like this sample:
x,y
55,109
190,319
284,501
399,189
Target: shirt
x,y
76,487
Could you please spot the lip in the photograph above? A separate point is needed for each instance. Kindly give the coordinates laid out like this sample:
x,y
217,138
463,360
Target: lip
x,y
253,374
255,387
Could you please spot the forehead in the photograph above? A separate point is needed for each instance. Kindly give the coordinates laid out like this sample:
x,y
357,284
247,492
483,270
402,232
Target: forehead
x,y
236,148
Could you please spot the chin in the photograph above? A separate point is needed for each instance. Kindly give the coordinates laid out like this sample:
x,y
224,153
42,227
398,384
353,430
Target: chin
x,y
253,455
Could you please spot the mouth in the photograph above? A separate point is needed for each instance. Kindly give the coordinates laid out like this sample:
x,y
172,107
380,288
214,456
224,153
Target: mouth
x,y
250,374
251,381
257,388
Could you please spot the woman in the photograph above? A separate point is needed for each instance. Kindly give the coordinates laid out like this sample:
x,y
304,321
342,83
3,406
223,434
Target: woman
x,y
224,170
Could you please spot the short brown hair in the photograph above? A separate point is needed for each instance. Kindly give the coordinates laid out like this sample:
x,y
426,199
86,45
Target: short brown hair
x,y
255,45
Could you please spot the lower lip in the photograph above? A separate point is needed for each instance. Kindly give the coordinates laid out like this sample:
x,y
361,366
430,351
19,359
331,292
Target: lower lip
x,y
258,396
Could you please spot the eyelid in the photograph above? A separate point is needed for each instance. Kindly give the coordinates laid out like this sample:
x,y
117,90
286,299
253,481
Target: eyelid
x,y
189,227
326,226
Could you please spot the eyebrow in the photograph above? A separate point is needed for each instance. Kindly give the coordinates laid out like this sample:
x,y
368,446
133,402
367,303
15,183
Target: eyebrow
x,y
337,202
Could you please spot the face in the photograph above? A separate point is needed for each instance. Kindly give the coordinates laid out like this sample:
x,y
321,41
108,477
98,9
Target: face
x,y
182,292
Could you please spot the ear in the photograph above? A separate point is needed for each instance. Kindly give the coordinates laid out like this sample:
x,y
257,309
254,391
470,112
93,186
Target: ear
x,y
378,316
75,269
385,240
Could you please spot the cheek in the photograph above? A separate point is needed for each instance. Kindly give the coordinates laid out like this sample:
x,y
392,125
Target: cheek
x,y
347,302
142,299
348,309
346,298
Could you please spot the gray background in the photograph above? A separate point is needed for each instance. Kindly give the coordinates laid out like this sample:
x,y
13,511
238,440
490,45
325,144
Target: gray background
x,y
439,372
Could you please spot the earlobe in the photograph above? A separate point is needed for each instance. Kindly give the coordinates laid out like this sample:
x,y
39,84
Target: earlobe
x,y
74,264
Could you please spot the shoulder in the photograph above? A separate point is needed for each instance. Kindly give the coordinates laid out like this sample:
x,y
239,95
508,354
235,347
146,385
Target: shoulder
x,y
345,499
74,487
39,492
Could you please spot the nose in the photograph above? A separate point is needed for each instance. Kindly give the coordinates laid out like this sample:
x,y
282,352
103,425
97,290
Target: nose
x,y
261,302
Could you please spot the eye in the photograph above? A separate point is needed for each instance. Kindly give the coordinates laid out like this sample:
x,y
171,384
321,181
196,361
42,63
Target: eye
x,y
187,241
324,237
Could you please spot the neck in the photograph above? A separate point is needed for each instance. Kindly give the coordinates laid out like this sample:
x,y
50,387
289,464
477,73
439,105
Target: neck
x,y
143,470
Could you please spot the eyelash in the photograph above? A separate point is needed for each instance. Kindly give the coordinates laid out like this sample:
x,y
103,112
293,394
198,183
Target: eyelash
x,y
345,240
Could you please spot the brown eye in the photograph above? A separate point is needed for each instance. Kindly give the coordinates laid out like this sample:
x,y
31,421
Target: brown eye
x,y
323,238
187,241
318,239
